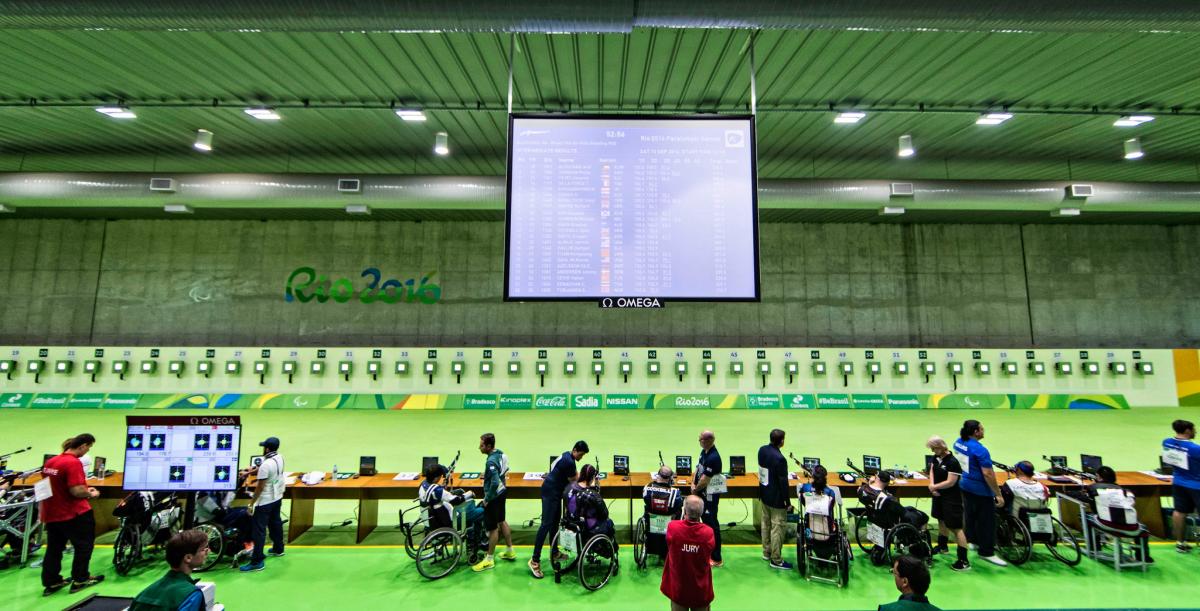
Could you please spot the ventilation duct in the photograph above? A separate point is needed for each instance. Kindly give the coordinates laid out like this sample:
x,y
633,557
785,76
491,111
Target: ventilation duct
x,y
958,201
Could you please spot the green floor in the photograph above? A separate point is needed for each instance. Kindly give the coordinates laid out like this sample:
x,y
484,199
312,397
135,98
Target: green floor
x,y
310,577
375,577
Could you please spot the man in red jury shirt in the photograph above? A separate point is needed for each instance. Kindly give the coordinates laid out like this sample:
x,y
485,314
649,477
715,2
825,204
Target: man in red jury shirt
x,y
687,576
68,516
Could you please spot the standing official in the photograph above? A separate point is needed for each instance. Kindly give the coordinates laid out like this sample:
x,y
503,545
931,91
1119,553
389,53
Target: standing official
x,y
708,466
773,491
68,517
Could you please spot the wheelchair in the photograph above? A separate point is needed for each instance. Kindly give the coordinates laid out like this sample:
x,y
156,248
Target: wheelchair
x,y
20,526
1032,523
592,555
147,519
443,549
889,530
821,542
650,530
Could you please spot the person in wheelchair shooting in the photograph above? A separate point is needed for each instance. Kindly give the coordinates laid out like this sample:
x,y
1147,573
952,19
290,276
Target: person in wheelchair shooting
x,y
663,503
1119,504
1023,491
441,503
885,511
818,490
820,525
216,507
586,508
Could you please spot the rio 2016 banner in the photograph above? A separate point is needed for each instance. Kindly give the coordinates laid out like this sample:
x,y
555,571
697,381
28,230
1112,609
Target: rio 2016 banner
x,y
556,401
304,284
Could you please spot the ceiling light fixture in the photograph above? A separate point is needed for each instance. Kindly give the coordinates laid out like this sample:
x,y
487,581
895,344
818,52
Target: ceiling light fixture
x,y
1133,149
906,146
116,112
204,140
853,116
993,118
5,209
441,143
892,210
1065,212
178,209
358,209
411,114
1132,120
263,114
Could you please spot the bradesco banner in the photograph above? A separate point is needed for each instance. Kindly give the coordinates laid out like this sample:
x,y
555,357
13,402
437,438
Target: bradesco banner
x,y
620,401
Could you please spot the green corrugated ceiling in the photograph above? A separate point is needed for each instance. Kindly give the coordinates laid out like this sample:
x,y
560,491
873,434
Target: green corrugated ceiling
x,y
179,81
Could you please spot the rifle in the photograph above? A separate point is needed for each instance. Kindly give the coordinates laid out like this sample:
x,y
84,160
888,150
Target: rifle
x,y
800,464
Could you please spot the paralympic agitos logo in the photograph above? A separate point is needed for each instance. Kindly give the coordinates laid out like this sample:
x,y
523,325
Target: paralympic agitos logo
x,y
304,285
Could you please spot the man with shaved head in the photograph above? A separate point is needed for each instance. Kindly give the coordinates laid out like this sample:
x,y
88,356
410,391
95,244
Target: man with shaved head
x,y
707,467
687,576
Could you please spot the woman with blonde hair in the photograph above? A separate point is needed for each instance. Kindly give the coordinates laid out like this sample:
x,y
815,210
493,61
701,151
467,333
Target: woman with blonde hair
x,y
944,472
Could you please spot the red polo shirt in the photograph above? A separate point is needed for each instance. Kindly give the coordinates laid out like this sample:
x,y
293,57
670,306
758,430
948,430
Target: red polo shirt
x,y
687,576
64,471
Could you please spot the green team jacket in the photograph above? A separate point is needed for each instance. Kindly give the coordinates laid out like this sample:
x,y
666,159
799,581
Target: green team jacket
x,y
168,593
909,604
494,472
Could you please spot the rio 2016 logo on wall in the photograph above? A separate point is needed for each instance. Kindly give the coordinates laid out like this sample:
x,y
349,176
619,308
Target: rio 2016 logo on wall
x,y
304,285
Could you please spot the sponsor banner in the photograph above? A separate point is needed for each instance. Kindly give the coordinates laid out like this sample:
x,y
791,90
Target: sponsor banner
x,y
479,402
699,402
763,401
587,401
556,401
869,401
799,402
17,399
904,402
49,400
551,401
622,401
834,402
516,401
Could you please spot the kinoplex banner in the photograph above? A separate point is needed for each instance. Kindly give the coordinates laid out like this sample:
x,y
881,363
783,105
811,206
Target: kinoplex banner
x,y
596,401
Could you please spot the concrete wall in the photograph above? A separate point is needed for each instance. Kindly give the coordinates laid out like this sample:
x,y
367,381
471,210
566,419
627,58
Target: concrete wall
x,y
222,283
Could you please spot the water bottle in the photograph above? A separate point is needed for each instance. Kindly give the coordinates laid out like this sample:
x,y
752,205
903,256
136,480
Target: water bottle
x,y
334,475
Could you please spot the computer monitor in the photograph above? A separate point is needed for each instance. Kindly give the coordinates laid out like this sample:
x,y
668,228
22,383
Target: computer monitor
x,y
181,453
1164,468
366,465
871,464
737,465
1058,462
620,464
255,461
683,465
46,458
426,462
99,466
810,461
1089,463
929,460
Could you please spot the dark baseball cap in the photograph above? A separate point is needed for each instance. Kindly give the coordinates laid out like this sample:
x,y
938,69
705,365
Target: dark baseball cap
x,y
271,443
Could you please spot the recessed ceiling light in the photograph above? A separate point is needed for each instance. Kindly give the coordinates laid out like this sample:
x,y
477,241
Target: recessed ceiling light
x,y
177,209
993,118
853,116
411,114
892,210
263,114
204,140
116,112
1066,212
358,209
1133,149
441,143
5,209
1132,120
906,146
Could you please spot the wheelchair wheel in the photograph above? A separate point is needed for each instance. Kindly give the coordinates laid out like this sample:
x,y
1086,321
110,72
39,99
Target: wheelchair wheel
x,y
640,554
414,533
801,554
216,546
597,563
905,540
1013,542
439,553
128,549
1063,544
563,559
861,524
843,558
